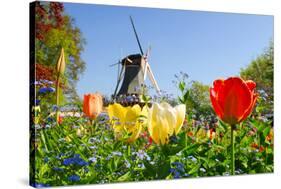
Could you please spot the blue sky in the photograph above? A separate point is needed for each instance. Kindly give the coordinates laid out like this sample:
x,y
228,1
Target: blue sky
x,y
205,45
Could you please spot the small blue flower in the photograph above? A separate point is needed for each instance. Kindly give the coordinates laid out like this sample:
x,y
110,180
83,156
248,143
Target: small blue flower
x,y
93,159
55,108
175,173
129,99
44,90
81,162
179,166
74,178
37,102
68,161
39,185
75,160
49,119
192,158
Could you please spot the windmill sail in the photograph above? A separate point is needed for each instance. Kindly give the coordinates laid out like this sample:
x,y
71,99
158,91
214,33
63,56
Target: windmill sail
x,y
135,68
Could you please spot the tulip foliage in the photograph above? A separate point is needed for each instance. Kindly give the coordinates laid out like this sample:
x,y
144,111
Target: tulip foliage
x,y
99,143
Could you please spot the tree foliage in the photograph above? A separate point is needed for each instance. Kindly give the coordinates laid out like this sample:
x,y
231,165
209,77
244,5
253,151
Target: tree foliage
x,y
55,30
260,70
195,95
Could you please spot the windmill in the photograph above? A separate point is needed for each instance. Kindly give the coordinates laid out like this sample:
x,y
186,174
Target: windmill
x,y
133,73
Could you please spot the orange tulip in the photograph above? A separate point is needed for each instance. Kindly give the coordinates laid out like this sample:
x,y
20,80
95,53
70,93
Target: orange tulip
x,y
233,99
92,105
60,119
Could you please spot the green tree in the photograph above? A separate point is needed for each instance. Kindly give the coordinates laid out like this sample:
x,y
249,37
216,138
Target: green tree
x,y
55,30
195,95
201,98
260,70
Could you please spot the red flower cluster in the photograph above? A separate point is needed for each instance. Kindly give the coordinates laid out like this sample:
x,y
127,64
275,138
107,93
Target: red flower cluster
x,y
47,17
44,72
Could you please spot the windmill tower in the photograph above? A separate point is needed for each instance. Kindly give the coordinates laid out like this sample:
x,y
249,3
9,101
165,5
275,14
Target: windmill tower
x,y
134,70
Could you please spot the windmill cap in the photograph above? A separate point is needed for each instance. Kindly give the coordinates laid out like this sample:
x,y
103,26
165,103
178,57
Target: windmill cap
x,y
132,57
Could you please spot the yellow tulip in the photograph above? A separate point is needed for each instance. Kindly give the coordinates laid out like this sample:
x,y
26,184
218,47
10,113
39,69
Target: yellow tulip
x,y
127,120
164,121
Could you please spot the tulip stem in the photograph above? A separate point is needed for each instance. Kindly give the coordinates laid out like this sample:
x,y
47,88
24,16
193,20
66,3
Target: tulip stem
x,y
232,150
57,96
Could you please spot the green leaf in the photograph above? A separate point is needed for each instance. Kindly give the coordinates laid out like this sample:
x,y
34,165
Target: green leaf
x,y
163,170
266,131
195,169
150,170
181,86
190,150
125,177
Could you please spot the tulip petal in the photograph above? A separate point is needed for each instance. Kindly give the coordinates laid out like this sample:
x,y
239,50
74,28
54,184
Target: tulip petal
x,y
180,115
214,100
131,117
251,85
218,84
234,98
136,132
133,113
250,108
92,105
168,115
153,126
116,111
163,131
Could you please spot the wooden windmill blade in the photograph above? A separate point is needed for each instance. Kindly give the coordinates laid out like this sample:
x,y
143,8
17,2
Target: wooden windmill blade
x,y
144,68
152,78
146,62
120,76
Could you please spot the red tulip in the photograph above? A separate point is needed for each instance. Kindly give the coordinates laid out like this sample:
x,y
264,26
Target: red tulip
x,y
233,99
92,105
